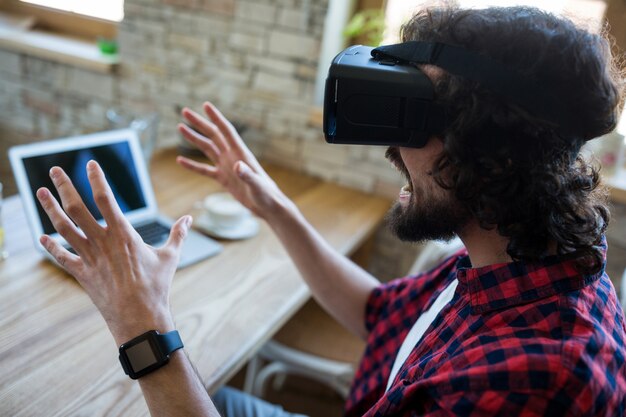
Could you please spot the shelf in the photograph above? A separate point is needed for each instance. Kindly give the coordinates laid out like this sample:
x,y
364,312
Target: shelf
x,y
57,48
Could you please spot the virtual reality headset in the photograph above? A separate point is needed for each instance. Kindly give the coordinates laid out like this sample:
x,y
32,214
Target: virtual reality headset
x,y
378,96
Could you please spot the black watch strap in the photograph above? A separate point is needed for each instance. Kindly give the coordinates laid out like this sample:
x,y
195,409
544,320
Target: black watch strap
x,y
170,342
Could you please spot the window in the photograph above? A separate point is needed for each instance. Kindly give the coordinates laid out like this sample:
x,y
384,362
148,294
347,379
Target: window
x,y
332,42
71,32
83,19
112,10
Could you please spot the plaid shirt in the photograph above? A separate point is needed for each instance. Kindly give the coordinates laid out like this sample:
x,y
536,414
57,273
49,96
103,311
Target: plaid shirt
x,y
517,339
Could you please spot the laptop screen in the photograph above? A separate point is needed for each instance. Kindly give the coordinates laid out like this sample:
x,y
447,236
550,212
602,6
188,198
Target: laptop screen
x,y
117,163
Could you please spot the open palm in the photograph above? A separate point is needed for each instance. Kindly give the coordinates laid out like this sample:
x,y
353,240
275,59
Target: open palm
x,y
234,166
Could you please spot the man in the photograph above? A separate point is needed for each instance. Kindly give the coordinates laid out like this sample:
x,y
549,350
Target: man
x,y
524,322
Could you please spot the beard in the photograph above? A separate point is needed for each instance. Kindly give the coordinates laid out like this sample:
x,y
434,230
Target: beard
x,y
427,220
431,212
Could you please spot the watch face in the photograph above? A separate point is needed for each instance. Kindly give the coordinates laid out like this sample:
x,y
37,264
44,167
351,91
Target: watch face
x,y
148,352
141,355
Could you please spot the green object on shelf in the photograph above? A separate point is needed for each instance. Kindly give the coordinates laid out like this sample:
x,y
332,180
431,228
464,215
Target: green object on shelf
x,y
107,46
368,24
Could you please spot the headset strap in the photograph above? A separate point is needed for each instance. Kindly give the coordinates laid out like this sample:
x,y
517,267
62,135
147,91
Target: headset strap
x,y
492,74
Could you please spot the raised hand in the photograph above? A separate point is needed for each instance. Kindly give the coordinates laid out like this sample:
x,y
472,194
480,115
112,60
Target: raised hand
x,y
235,168
126,279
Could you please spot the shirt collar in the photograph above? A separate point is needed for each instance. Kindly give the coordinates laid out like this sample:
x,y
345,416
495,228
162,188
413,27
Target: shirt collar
x,y
505,285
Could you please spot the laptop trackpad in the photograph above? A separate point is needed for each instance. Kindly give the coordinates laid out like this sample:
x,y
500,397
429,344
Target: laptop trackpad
x,y
196,247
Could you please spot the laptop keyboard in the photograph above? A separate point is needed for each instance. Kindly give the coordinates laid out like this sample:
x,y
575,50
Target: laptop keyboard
x,y
151,233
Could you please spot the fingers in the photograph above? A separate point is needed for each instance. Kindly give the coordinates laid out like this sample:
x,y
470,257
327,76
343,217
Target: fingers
x,y
177,235
247,175
207,128
206,145
70,262
229,132
103,196
60,220
198,167
72,202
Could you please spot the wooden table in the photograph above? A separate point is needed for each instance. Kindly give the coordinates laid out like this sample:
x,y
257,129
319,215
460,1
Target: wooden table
x,y
58,359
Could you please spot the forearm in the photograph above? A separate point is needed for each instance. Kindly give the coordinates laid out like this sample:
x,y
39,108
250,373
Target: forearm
x,y
176,390
337,283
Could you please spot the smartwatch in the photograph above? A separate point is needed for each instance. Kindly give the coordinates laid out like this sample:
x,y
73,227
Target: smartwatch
x,y
148,352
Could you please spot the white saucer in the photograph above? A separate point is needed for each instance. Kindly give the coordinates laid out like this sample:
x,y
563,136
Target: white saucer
x,y
246,229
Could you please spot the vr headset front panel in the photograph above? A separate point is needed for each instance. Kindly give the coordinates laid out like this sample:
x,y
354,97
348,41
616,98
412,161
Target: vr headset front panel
x,y
375,102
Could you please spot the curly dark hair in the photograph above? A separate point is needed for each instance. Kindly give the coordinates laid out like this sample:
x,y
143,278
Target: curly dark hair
x,y
511,169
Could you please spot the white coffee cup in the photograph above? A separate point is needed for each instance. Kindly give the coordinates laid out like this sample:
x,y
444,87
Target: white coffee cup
x,y
223,211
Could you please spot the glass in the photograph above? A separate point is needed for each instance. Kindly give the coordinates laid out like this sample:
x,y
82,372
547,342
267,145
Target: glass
x,y
146,126
3,252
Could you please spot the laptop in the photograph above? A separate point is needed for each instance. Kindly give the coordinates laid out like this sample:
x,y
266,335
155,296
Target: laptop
x,y
119,154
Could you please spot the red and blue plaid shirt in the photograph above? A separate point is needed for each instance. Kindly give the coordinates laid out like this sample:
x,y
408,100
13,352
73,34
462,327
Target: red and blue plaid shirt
x,y
517,339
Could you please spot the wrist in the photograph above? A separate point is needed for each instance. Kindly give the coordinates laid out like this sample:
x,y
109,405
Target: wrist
x,y
284,209
128,328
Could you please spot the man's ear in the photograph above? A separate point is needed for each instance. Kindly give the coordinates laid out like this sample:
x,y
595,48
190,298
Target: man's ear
x,y
433,72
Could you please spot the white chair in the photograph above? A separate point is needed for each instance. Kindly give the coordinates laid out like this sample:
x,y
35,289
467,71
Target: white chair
x,y
314,345
434,253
